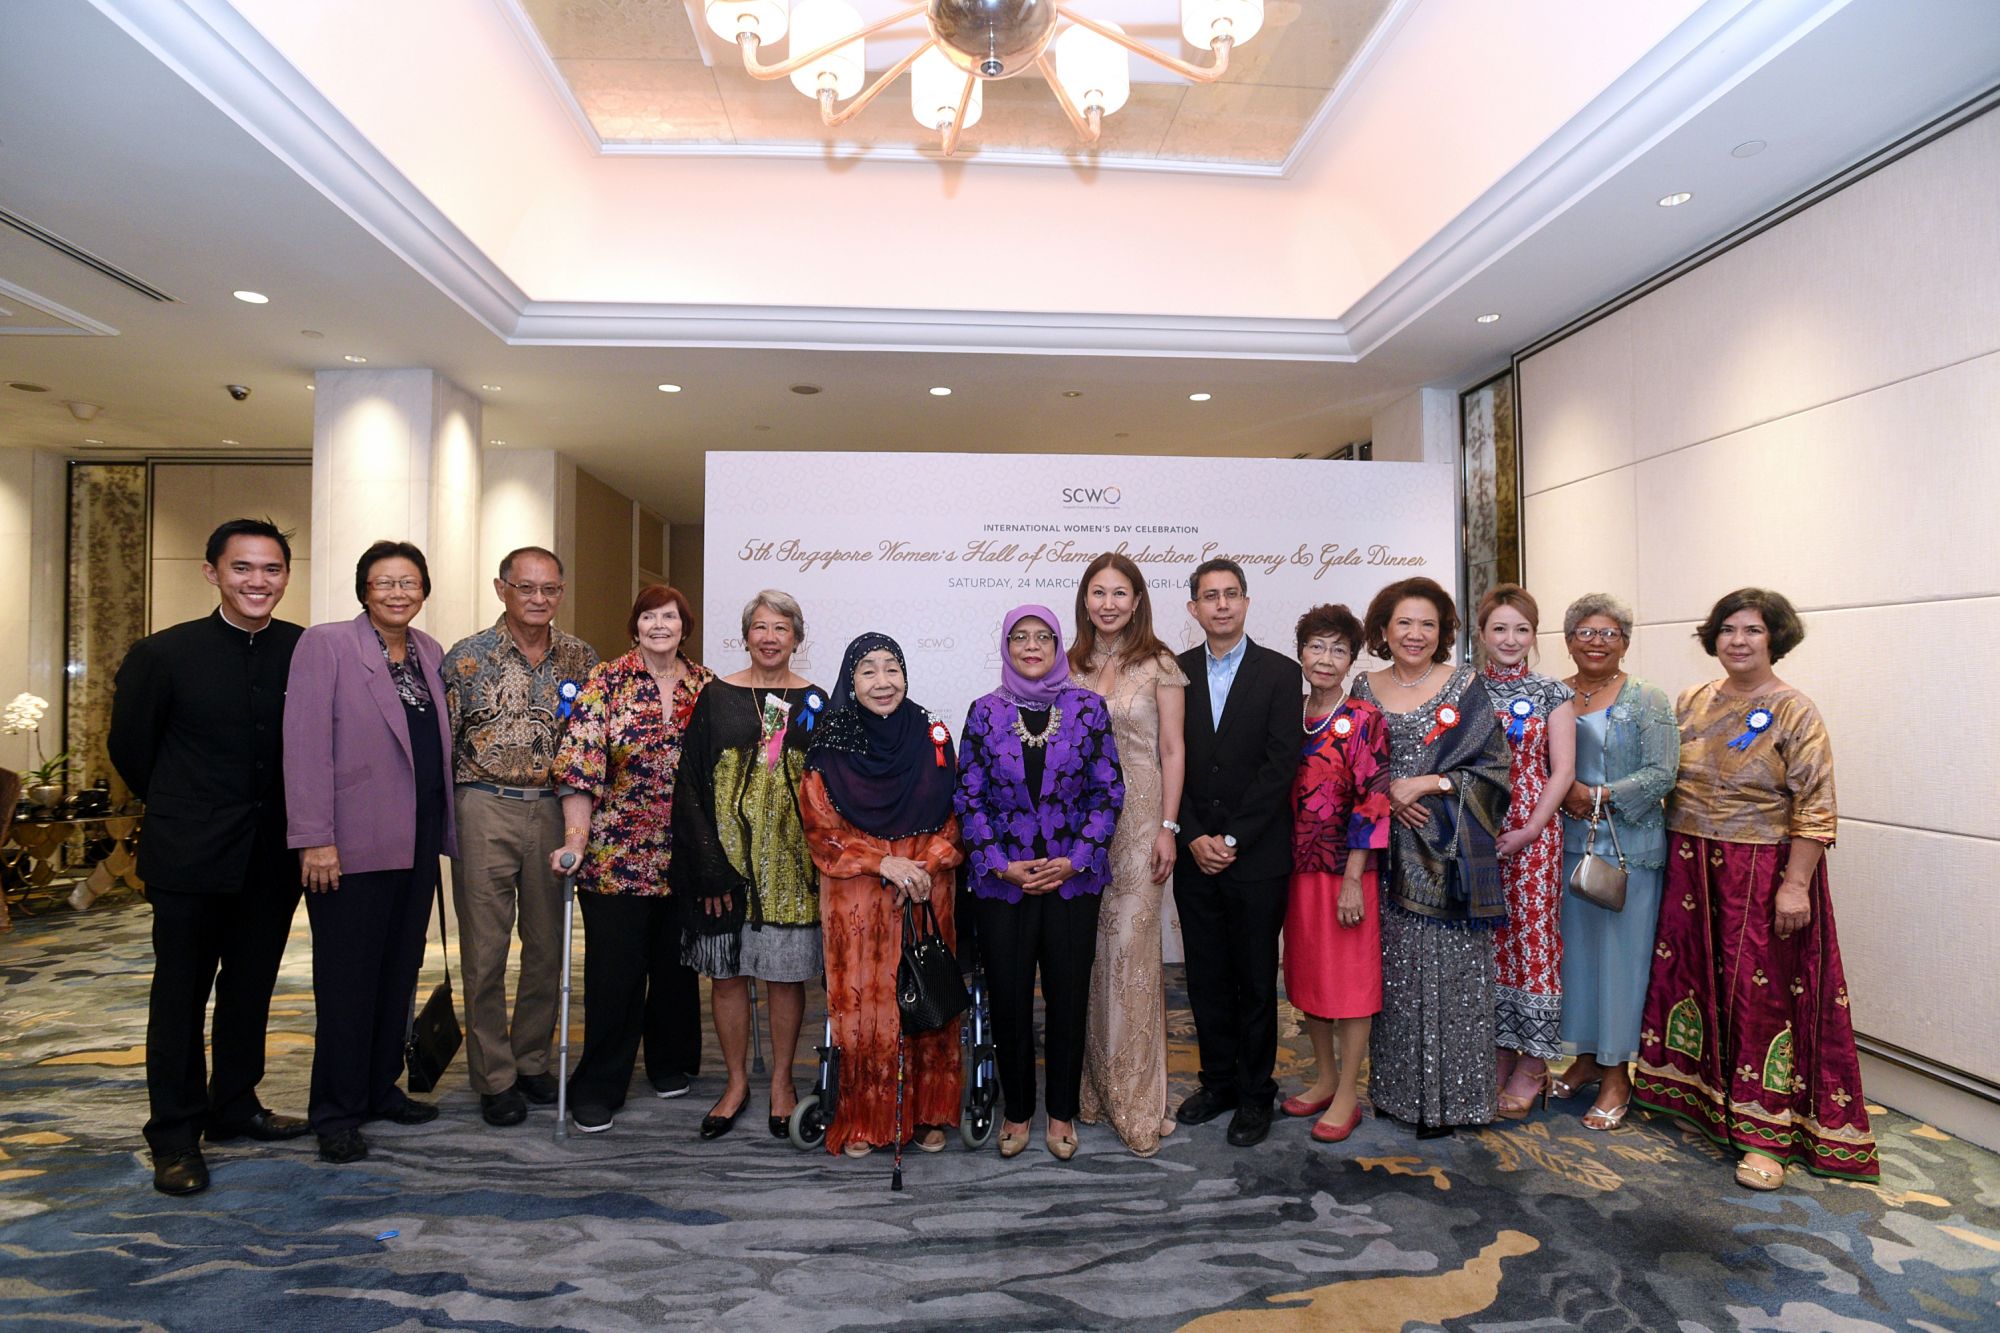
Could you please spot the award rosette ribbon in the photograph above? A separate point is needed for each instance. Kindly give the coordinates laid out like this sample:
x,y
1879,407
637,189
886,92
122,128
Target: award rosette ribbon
x,y
1519,712
565,699
940,737
1343,726
815,705
1754,725
1447,719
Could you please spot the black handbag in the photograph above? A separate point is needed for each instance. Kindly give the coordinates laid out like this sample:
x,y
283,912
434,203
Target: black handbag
x,y
434,1032
929,990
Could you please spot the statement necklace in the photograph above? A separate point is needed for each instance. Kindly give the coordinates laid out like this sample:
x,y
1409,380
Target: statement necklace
x,y
1411,684
1036,740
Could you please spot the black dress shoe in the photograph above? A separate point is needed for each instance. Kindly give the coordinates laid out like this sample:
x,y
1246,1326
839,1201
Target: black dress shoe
x,y
781,1127
715,1126
342,1146
1250,1124
538,1088
265,1127
501,1109
1203,1105
412,1112
670,1085
180,1171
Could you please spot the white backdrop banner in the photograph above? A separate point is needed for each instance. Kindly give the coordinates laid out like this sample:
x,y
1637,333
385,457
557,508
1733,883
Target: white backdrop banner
x,y
933,549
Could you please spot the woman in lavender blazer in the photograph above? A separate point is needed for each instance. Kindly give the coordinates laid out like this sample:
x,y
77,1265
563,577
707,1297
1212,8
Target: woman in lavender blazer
x,y
368,802
1038,798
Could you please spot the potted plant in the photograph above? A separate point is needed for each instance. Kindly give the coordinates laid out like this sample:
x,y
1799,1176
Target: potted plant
x,y
44,782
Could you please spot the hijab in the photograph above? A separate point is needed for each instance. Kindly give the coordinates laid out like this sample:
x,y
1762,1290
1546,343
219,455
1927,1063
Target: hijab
x,y
1016,688
882,773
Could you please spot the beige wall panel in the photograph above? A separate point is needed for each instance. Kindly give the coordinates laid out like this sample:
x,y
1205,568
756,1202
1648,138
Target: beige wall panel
x,y
180,593
1917,915
1579,396
1879,498
281,492
684,571
1890,278
183,511
601,586
1580,538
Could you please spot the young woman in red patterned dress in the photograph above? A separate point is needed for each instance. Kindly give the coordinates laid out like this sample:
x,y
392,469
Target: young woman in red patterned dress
x,y
1540,721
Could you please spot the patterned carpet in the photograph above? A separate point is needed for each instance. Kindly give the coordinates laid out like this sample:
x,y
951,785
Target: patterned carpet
x,y
1538,1225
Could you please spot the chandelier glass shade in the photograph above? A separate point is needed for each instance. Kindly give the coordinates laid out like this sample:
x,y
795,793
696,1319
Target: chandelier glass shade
x,y
1086,62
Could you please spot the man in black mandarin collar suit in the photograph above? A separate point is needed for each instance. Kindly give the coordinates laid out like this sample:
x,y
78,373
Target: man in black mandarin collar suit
x,y
196,733
1242,732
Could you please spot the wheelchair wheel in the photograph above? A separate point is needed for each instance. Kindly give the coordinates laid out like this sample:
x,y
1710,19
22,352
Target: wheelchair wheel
x,y
975,1127
808,1131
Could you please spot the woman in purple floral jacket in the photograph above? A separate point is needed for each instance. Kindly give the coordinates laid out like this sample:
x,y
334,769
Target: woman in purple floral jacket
x,y
1038,798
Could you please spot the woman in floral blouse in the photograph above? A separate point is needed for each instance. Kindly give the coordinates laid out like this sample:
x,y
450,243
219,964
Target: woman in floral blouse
x,y
616,769
1340,826
1038,796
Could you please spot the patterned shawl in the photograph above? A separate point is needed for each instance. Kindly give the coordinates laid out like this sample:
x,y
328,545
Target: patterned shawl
x,y
1452,873
882,773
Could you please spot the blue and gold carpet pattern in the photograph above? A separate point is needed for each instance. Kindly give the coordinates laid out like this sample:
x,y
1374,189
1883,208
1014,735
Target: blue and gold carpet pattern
x,y
1533,1225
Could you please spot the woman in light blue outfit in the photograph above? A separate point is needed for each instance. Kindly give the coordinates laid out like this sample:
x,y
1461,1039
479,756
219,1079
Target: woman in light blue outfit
x,y
1627,756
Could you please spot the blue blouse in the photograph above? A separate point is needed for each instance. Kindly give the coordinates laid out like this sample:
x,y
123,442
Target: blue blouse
x,y
1074,814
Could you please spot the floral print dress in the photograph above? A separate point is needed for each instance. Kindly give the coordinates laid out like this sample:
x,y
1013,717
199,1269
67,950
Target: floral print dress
x,y
1527,951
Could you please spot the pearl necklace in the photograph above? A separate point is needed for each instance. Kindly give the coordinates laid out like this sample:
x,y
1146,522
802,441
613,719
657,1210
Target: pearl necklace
x,y
1411,684
1305,715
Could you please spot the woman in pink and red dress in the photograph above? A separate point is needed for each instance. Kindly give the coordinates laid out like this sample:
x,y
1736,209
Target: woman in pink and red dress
x,y
1540,723
1747,1033
1333,922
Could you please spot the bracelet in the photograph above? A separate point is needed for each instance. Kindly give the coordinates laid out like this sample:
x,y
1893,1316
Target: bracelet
x,y
1170,826
576,831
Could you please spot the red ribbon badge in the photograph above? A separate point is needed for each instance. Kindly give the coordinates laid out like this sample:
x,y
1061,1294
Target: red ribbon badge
x,y
1447,719
1343,725
940,737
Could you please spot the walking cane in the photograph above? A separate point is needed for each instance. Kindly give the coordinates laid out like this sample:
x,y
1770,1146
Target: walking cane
x,y
756,1033
568,864
896,1171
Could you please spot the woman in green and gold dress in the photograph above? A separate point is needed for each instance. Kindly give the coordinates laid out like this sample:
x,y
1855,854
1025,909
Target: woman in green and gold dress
x,y
750,895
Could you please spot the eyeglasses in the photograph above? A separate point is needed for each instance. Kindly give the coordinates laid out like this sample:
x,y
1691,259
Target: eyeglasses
x,y
395,585
549,590
1214,595
1592,634
1040,638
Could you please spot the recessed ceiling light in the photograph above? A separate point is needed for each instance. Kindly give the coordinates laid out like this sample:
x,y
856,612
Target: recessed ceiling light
x,y
670,388
26,387
1675,200
497,443
1122,435
93,442
311,333
940,392
1199,397
490,388
806,389
254,298
1489,318
232,441
310,386
760,428
357,360
1072,393
1748,148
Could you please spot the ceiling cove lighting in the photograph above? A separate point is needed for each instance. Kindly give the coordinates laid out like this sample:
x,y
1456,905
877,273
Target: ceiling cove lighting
x,y
1085,61
1675,200
254,298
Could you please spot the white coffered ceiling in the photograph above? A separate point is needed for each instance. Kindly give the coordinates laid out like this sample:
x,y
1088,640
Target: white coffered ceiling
x,y
406,180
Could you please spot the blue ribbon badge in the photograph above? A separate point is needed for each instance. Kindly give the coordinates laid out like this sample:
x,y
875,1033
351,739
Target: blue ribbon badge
x,y
566,694
1754,726
815,704
1522,709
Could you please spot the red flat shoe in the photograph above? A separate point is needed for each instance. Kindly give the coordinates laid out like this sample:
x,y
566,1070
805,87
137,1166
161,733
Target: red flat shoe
x,y
1325,1133
1300,1106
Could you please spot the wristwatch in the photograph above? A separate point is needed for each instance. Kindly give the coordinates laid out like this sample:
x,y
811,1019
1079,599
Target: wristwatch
x,y
1444,784
1170,826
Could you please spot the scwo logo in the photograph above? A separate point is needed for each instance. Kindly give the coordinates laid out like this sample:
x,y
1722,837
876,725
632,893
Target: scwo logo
x,y
1092,497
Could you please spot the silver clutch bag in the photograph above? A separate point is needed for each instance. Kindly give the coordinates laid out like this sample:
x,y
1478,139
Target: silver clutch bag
x,y
1596,880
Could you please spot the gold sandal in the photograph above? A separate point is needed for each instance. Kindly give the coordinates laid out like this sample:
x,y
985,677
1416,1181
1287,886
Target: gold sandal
x,y
1752,1177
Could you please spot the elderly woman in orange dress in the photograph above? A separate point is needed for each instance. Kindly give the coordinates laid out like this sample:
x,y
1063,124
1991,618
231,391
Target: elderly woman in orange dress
x,y
877,806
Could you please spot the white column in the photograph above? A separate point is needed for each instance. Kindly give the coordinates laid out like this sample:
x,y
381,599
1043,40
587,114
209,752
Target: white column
x,y
529,499
1419,428
396,455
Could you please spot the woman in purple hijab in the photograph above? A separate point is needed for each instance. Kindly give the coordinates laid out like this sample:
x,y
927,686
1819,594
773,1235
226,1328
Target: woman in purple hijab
x,y
1038,798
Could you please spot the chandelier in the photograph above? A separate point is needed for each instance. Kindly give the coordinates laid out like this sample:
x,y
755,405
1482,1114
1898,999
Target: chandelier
x,y
1085,62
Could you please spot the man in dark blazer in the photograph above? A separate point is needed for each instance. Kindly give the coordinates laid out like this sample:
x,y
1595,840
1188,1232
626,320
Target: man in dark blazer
x,y
1235,836
196,732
